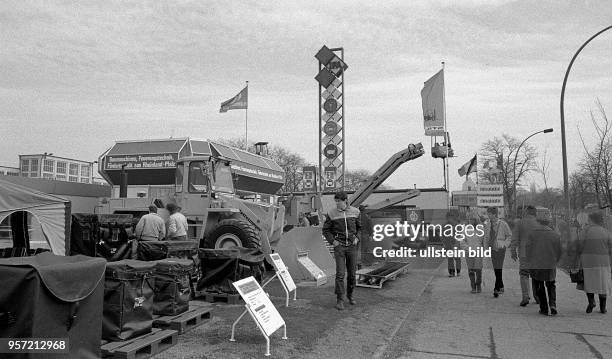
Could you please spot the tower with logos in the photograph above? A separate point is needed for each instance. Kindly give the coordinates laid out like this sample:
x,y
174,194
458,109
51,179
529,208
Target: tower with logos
x,y
330,78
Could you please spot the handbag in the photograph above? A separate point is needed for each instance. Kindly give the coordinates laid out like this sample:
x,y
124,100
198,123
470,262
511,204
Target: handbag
x,y
576,276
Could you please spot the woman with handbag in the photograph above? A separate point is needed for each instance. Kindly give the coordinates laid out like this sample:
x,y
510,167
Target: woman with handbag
x,y
595,257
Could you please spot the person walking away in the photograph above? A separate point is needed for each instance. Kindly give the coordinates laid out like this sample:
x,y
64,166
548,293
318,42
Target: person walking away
x,y
151,226
542,253
449,243
341,229
177,224
498,236
518,251
474,264
595,250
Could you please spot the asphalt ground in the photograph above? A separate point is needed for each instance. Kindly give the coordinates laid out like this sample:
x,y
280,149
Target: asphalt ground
x,y
421,314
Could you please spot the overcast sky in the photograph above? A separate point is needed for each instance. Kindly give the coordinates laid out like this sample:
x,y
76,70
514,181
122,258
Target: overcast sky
x,y
75,77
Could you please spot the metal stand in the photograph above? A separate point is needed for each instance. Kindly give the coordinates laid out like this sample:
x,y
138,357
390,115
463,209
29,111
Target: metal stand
x,y
284,288
248,310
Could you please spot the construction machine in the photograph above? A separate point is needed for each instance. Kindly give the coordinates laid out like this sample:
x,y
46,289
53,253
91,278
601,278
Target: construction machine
x,y
227,194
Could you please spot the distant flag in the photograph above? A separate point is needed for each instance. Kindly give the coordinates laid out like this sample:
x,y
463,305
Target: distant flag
x,y
240,101
468,167
432,96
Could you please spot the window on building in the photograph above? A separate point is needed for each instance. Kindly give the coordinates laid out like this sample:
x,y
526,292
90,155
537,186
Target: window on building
x,y
73,179
25,167
34,165
60,177
84,180
48,165
74,169
85,171
48,175
61,167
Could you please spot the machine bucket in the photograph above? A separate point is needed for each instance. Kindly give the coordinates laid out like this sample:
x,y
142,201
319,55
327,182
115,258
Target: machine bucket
x,y
301,240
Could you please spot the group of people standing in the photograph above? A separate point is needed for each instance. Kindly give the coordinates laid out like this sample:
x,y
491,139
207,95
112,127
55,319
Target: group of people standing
x,y
152,227
537,247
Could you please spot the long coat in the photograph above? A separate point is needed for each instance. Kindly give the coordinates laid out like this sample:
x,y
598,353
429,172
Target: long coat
x,y
595,250
543,251
519,238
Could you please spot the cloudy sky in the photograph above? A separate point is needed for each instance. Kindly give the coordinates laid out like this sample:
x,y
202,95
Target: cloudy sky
x,y
75,77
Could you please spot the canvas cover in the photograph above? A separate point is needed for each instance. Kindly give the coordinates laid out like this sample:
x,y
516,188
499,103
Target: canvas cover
x,y
172,286
52,212
221,267
50,296
128,299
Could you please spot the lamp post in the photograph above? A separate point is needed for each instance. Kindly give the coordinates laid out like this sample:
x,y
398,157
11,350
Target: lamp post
x,y
563,147
548,130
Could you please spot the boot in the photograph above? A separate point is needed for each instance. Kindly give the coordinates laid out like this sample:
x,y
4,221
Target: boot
x,y
478,288
339,304
602,304
472,276
351,300
591,305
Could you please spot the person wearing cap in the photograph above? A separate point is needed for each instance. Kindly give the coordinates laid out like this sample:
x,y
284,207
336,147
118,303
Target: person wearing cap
x,y
498,236
341,229
151,226
177,223
542,252
518,251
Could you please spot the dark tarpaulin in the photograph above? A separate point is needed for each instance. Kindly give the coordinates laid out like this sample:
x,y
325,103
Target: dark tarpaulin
x,y
53,296
221,267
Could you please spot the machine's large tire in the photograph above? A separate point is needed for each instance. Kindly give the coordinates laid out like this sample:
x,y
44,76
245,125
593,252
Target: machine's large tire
x,y
233,232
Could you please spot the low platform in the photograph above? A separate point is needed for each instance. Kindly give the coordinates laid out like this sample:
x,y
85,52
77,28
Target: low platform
x,y
377,276
142,347
192,318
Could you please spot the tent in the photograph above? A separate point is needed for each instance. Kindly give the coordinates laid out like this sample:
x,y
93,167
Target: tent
x,y
52,212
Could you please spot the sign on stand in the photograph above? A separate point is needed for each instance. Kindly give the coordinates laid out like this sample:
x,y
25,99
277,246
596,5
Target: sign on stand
x,y
284,277
261,309
313,270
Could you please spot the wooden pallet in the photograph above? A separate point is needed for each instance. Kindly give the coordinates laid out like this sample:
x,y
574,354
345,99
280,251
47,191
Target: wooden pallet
x,y
213,297
144,346
194,317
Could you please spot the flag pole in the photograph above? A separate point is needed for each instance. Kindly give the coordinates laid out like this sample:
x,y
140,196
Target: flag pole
x,y
246,121
445,163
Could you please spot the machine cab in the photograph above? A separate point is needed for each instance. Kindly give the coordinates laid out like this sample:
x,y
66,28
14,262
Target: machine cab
x,y
204,176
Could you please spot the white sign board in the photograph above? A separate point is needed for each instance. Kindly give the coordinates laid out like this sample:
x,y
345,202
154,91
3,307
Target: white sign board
x,y
282,272
490,189
259,305
315,272
490,201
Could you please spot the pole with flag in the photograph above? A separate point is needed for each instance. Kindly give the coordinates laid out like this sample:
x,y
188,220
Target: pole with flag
x,y
469,166
238,102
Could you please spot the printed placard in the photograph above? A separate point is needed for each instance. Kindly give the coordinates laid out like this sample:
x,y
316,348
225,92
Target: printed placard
x,y
259,305
282,272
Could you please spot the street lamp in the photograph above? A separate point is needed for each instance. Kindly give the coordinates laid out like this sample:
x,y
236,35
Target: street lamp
x,y
548,130
563,147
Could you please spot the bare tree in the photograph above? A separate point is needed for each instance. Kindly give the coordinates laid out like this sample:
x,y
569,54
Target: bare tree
x,y
544,168
502,151
597,163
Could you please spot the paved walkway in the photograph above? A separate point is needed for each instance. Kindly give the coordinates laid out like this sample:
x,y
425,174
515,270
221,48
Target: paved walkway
x,y
448,321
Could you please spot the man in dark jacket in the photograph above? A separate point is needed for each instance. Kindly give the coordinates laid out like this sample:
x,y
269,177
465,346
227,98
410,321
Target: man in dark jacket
x,y
543,249
517,251
341,229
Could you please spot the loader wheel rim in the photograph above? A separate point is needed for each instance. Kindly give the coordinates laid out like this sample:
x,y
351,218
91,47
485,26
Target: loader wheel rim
x,y
228,240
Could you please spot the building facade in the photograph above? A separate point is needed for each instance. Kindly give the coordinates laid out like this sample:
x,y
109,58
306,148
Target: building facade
x,y
9,171
51,167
